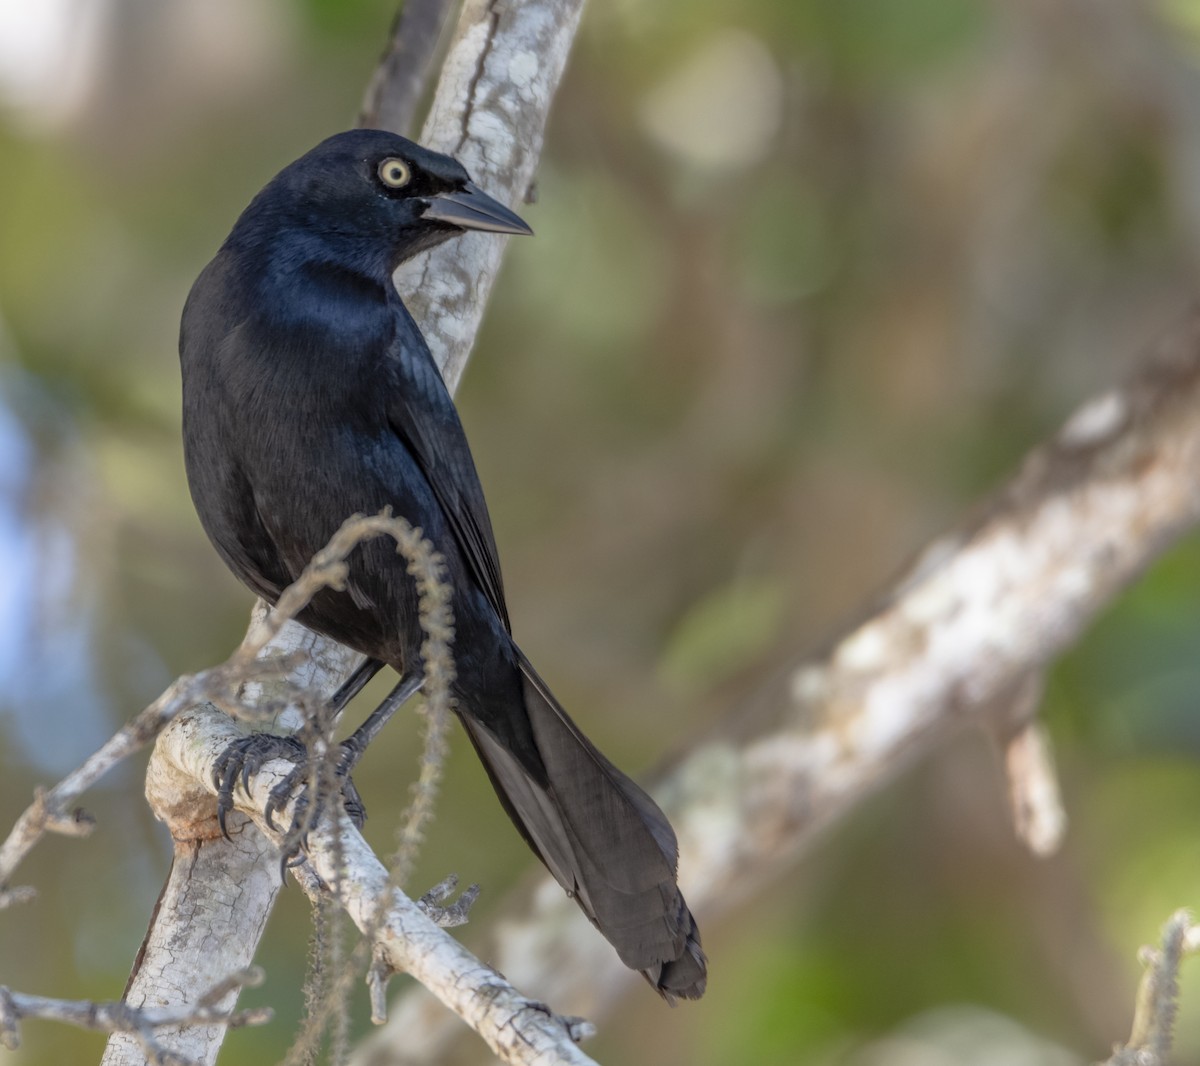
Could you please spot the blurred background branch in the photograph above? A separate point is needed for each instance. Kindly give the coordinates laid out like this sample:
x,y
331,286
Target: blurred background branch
x,y
1158,995
404,74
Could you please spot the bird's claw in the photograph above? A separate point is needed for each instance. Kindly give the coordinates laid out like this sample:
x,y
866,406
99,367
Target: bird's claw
x,y
244,757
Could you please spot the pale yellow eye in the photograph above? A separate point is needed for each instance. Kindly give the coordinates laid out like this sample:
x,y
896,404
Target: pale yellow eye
x,y
394,173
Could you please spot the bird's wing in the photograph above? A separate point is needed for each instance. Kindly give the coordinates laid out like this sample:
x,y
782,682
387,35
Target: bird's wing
x,y
422,414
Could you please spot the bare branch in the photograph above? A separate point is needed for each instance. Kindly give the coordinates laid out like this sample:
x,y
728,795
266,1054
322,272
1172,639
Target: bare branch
x,y
141,1023
180,787
1033,794
518,1029
448,915
1158,995
400,80
1034,799
490,109
194,910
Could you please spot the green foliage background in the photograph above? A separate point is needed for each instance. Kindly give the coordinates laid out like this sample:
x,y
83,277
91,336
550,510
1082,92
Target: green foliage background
x,y
716,406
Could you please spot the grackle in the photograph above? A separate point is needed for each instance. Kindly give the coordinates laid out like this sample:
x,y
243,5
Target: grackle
x,y
309,395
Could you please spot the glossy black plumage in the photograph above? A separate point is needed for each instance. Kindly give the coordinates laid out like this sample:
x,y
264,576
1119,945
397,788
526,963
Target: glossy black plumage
x,y
309,394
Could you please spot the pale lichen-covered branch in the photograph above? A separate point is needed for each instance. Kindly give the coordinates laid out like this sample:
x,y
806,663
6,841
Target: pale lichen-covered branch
x,y
517,1028
490,110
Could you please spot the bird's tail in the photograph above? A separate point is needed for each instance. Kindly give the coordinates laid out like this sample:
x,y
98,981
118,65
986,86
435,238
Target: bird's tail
x,y
604,840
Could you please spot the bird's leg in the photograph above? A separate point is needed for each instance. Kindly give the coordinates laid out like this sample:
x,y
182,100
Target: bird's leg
x,y
350,751
353,685
356,743
247,755
348,754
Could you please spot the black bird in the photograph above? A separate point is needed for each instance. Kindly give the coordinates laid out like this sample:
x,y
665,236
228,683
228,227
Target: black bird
x,y
309,395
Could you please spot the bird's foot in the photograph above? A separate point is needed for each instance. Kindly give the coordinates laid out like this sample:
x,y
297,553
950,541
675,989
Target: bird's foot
x,y
243,758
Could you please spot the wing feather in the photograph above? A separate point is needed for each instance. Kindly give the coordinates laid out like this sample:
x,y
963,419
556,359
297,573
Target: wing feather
x,y
422,414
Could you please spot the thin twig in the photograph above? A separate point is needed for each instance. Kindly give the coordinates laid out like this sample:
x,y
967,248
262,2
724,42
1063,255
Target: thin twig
x,y
1158,996
142,1023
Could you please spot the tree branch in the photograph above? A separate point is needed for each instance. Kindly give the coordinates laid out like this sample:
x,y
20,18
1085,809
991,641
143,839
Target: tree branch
x,y
403,74
272,644
490,110
516,1028
1158,996
141,1025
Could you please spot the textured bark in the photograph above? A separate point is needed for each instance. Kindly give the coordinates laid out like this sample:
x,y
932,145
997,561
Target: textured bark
x,y
515,1027
499,77
219,899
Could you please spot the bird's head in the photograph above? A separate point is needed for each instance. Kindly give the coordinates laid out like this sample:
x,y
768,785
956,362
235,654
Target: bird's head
x,y
376,195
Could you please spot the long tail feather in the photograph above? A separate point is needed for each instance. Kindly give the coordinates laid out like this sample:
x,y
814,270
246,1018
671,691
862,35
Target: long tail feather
x,y
601,836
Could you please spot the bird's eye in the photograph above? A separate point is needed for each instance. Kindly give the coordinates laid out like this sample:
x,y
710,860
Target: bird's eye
x,y
394,173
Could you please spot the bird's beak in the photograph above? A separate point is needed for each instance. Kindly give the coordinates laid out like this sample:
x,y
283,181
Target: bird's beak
x,y
471,208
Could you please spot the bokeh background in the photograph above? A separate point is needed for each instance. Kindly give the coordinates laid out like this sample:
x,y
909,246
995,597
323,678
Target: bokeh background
x,y
809,279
